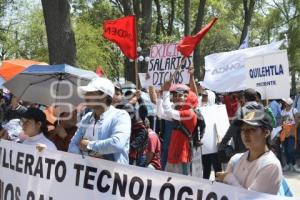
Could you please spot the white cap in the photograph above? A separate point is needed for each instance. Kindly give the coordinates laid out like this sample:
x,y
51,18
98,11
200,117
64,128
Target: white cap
x,y
99,84
288,101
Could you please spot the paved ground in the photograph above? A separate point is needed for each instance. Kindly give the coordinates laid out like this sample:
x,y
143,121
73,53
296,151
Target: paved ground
x,y
293,180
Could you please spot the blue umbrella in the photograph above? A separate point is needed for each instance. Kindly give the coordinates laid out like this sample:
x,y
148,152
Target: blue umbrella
x,y
50,84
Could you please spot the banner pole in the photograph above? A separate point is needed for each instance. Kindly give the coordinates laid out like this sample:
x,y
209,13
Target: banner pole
x,y
136,60
136,74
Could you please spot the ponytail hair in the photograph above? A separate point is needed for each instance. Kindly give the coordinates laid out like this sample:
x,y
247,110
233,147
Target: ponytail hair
x,y
44,128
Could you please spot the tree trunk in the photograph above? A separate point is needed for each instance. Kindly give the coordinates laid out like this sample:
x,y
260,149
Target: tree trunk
x,y
248,12
187,7
171,18
137,9
199,22
146,30
159,23
127,7
60,36
129,69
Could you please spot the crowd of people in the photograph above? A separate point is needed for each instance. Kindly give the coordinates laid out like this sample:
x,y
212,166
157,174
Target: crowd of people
x,y
156,128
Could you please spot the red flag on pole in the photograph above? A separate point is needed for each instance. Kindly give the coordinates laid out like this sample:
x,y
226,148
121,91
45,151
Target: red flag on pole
x,y
188,43
122,31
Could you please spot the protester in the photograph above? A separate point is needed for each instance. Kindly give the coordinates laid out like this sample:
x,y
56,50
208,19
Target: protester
x,y
153,150
290,119
118,97
207,97
165,128
2,106
180,151
275,108
34,125
257,169
65,128
14,110
232,104
133,97
250,97
209,160
138,137
105,131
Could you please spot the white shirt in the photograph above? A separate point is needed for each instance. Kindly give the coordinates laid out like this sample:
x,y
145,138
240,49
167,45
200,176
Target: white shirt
x,y
288,116
165,109
262,175
40,139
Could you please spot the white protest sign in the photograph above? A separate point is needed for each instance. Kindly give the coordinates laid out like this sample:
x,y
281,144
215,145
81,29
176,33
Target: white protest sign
x,y
145,82
55,175
217,123
269,75
164,59
225,72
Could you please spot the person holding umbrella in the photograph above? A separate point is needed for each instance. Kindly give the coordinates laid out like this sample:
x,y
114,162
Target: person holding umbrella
x,y
105,131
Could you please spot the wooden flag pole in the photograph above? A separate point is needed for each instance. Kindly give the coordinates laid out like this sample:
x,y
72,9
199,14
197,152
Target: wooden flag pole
x,y
136,59
136,73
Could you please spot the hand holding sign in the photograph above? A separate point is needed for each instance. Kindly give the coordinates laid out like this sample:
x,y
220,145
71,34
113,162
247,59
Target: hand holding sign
x,y
166,86
4,134
83,144
220,176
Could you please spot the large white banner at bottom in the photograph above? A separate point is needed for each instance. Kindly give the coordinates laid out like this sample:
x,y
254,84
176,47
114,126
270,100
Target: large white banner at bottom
x,y
28,174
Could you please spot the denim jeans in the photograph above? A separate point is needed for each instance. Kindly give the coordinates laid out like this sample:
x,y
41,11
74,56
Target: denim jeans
x,y
289,150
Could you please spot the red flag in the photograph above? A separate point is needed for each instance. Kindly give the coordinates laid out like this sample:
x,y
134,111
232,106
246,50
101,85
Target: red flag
x,y
122,31
100,71
188,43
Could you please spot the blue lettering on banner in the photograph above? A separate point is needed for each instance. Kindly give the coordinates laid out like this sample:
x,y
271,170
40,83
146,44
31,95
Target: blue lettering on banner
x,y
272,70
265,83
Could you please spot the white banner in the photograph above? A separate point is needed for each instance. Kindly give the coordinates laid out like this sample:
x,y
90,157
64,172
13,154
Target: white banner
x,y
164,59
225,72
269,75
217,123
54,175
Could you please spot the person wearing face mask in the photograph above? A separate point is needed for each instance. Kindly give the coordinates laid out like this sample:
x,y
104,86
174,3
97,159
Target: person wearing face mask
x,y
179,151
257,169
104,132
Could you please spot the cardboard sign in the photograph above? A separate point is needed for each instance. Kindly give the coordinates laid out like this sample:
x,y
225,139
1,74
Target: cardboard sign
x,y
164,59
217,123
